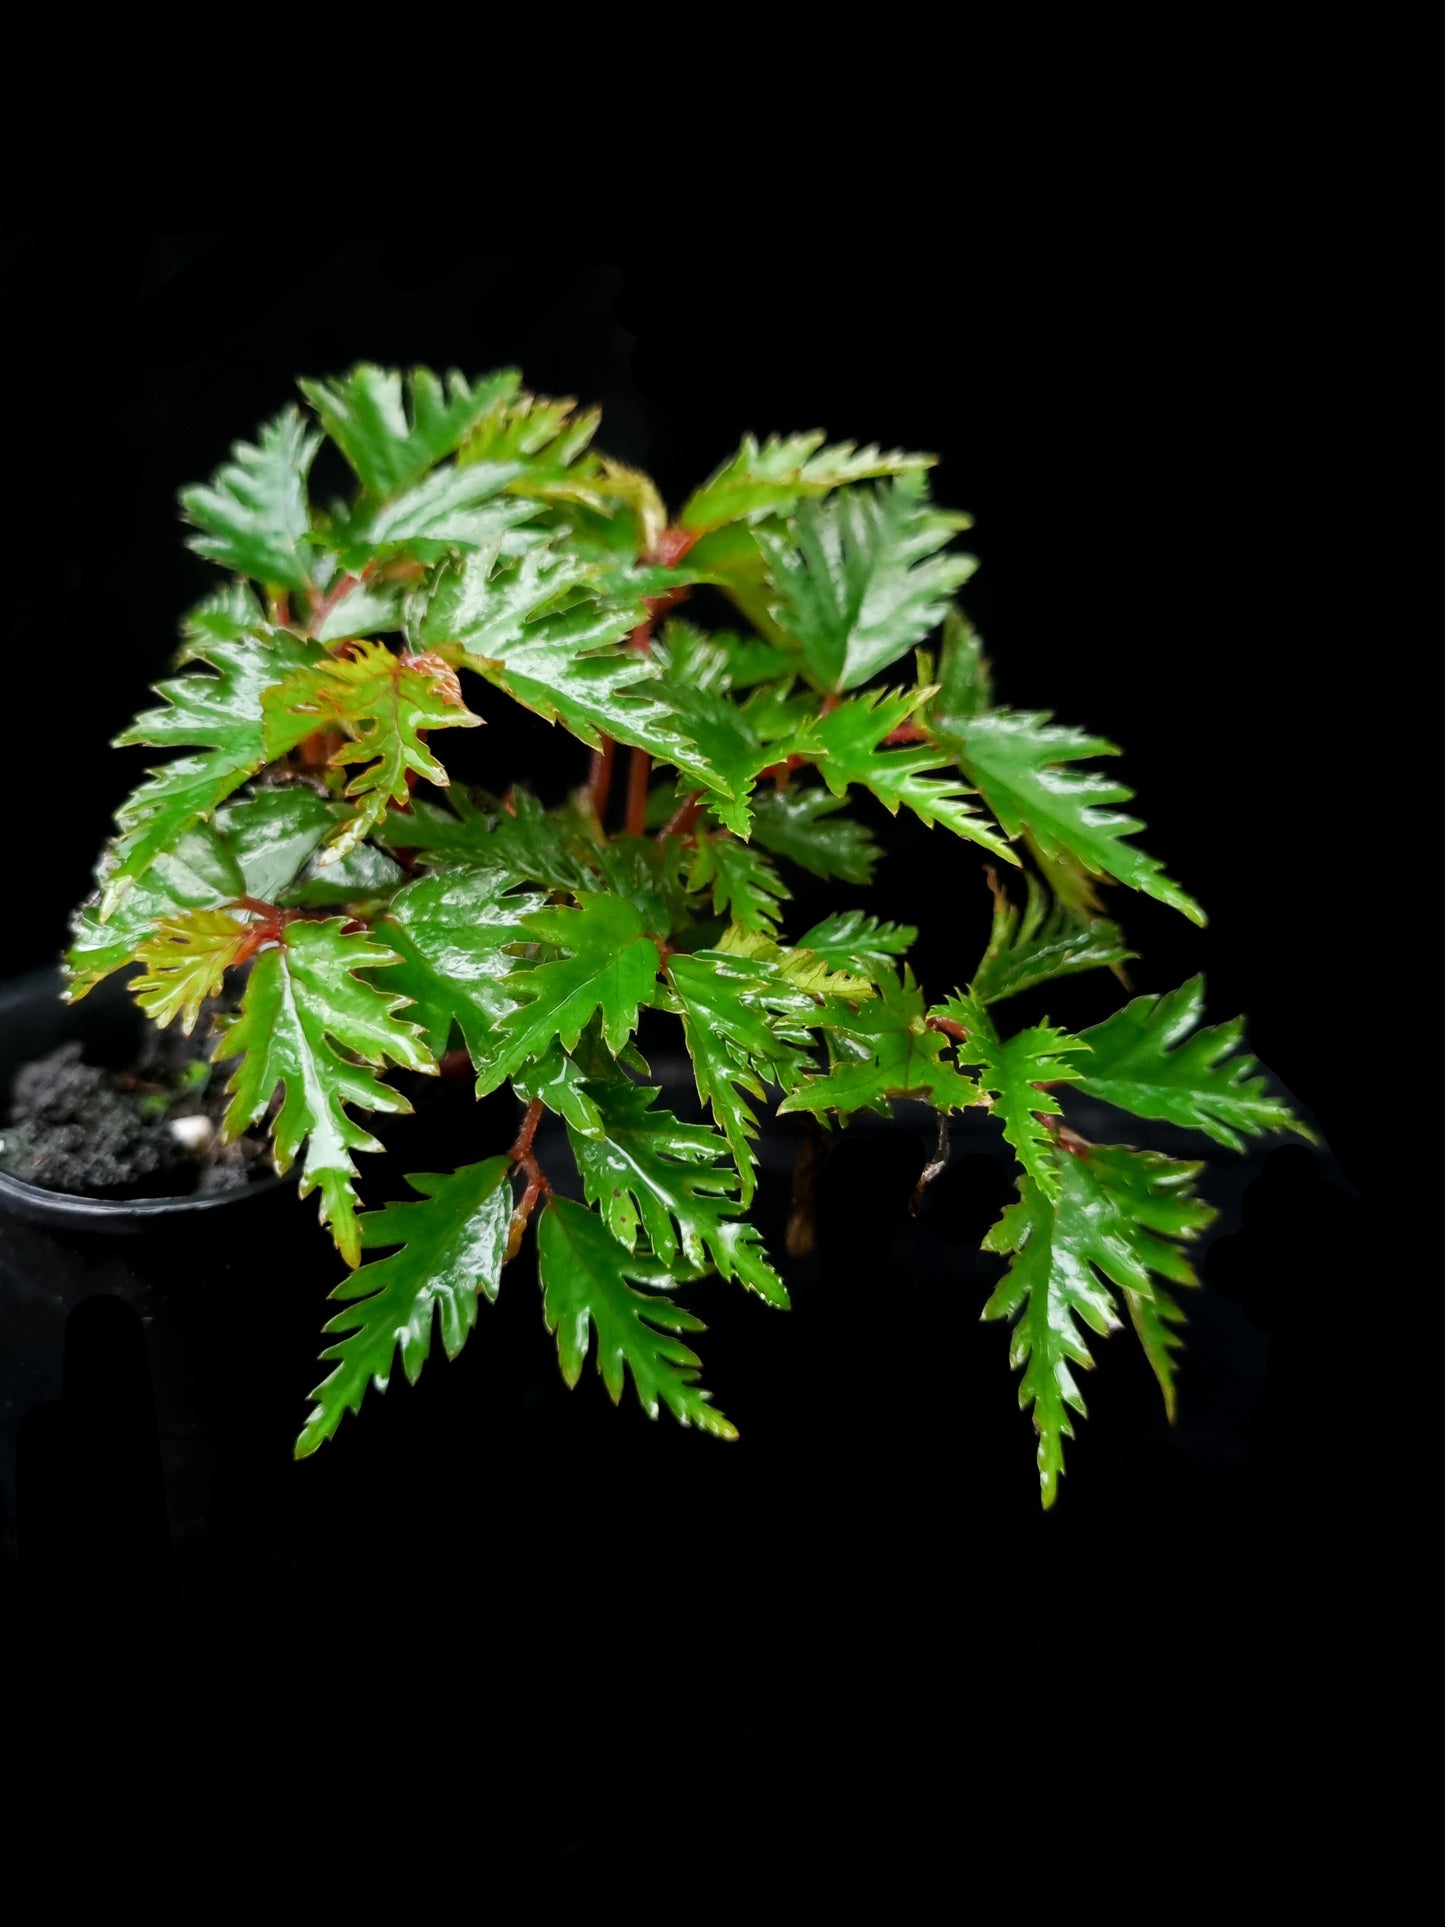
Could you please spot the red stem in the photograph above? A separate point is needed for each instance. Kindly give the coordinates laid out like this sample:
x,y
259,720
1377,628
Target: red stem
x,y
599,781
638,771
682,818
537,1186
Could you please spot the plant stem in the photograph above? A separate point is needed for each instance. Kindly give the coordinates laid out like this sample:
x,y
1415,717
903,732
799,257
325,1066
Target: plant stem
x,y
682,818
931,1170
522,1155
638,771
599,781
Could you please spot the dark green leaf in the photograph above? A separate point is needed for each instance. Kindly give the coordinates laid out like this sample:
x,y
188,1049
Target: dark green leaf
x,y
1152,1059
783,471
1033,946
450,933
745,886
851,940
450,1245
897,1056
585,1273
253,516
272,835
795,823
390,437
1014,1071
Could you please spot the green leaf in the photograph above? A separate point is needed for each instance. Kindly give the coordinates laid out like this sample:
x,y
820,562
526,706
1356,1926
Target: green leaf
x,y
306,1015
220,712
1119,1216
650,1174
1150,1058
853,737
391,437
199,873
783,471
611,967
741,1022
897,1056
965,684
363,882
851,940
1012,1071
547,440
383,704
186,957
795,823
745,886
697,676
451,933
445,1247
1022,764
253,516
273,834
528,840
860,580
455,508
1033,946
798,969
584,1273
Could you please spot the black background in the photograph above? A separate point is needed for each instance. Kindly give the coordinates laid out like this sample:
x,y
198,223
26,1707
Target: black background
x,y
1160,417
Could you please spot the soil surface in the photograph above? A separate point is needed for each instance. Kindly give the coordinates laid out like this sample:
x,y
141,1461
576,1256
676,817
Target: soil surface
x,y
151,1130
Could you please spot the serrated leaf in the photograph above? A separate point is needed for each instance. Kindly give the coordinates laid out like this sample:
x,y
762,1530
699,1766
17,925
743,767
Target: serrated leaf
x,y
1033,946
965,681
382,704
446,1247
852,940
391,434
272,835
649,1174
363,881
305,1016
585,1276
1013,1071
697,676
453,508
853,737
221,713
1023,766
611,967
783,471
860,580
795,823
548,441
799,969
745,887
253,515
897,1056
451,933
186,957
741,1022
1119,1216
1152,1059
532,842
199,873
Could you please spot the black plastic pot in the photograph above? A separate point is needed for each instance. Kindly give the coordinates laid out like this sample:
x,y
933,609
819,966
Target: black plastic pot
x,y
34,1021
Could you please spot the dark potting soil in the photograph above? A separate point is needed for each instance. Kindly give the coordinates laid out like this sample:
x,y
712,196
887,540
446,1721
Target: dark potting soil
x,y
150,1130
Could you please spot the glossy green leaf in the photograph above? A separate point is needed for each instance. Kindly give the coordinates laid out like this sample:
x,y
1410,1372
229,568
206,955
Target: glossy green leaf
x,y
1117,1216
1023,766
446,1246
796,969
222,714
451,935
1151,1058
587,1284
744,885
1034,945
1015,1072
784,470
273,834
741,1021
186,957
383,705
854,736
965,683
897,1056
860,579
306,1016
610,967
652,1176
804,826
253,516
199,873
852,940
392,434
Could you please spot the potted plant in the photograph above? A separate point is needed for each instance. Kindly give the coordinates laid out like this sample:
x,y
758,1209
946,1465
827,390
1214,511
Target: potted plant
x,y
304,880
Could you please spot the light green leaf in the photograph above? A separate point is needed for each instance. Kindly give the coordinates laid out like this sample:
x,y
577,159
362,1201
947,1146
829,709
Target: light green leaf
x,y
306,1015
253,516
199,873
784,470
860,580
450,1244
1116,1216
853,737
1023,764
584,1273
392,437
1152,1059
851,940
798,969
186,957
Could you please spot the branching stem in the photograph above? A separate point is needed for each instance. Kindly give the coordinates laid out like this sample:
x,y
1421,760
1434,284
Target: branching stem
x,y
935,1164
638,770
524,1158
